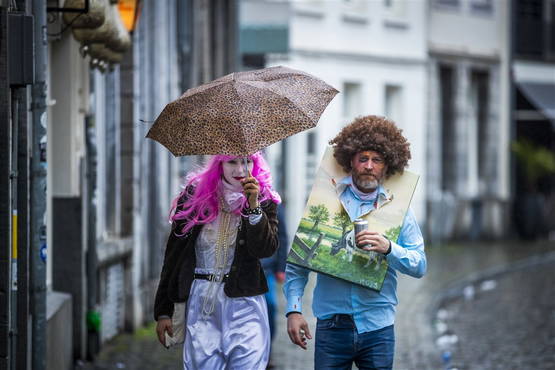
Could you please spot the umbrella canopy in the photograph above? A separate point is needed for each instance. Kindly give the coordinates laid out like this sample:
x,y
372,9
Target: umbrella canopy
x,y
242,112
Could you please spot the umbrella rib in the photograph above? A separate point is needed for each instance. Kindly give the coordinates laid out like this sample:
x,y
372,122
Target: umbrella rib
x,y
281,96
243,133
194,92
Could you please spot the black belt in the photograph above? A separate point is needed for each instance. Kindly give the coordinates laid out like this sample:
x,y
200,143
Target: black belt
x,y
210,277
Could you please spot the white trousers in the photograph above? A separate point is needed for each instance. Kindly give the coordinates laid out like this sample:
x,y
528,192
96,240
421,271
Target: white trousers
x,y
235,336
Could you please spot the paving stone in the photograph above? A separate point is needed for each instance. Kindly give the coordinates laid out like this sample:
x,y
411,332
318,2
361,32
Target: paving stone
x,y
521,305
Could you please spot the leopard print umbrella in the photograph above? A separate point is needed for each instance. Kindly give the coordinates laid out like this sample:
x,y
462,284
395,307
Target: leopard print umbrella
x,y
242,112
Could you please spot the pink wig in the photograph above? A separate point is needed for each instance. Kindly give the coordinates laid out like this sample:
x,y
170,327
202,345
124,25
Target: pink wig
x,y
201,207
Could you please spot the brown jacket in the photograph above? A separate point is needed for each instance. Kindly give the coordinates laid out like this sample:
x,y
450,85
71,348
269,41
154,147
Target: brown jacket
x,y
246,277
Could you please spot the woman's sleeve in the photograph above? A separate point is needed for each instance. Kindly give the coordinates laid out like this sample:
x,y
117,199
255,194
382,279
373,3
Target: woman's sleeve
x,y
162,304
262,238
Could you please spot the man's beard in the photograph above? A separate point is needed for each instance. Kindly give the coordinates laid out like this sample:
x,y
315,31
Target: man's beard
x,y
366,186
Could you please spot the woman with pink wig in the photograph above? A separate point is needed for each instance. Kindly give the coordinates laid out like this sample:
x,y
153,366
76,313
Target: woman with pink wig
x,y
225,220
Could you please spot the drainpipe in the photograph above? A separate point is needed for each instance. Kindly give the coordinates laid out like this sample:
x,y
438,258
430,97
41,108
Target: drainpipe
x,y
38,191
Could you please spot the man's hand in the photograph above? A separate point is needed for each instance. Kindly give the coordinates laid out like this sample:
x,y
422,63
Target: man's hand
x,y
251,190
162,326
297,328
372,241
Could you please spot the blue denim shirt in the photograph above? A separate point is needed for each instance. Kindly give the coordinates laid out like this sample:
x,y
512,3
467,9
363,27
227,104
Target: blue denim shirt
x,y
371,310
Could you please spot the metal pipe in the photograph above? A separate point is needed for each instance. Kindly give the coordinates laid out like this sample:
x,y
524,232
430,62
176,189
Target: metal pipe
x,y
5,194
13,206
38,191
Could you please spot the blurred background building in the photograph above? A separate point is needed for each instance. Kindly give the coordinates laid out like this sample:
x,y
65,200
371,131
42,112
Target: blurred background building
x,y
84,198
468,119
533,117
387,76
444,71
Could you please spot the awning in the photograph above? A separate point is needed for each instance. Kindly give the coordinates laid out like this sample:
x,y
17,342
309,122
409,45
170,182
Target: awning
x,y
541,96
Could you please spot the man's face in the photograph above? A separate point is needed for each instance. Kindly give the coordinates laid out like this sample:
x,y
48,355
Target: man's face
x,y
368,170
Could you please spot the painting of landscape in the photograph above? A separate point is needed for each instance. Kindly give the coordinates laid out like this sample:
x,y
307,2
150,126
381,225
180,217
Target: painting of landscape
x,y
324,240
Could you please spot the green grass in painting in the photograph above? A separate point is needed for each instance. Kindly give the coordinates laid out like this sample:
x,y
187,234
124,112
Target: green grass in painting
x,y
371,276
352,271
330,232
300,252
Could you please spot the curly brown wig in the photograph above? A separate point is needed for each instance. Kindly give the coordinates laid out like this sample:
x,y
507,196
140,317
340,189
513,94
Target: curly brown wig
x,y
373,133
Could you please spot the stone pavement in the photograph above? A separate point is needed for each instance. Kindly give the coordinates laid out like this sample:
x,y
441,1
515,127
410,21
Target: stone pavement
x,y
138,351
141,350
505,320
286,355
451,269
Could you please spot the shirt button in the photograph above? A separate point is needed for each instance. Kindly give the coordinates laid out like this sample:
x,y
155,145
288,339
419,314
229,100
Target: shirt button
x,y
241,242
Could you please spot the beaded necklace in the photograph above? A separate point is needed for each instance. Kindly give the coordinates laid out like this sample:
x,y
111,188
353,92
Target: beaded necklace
x,y
221,254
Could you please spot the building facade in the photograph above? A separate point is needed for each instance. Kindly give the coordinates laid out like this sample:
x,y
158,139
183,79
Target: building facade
x,y
374,53
106,190
440,69
468,122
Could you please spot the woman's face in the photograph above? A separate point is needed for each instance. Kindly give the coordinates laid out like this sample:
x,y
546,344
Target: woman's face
x,y
234,170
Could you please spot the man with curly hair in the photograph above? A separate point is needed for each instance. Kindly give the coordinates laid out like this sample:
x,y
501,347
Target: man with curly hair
x,y
355,324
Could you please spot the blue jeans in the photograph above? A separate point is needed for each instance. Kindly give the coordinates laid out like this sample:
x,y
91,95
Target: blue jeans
x,y
271,302
338,344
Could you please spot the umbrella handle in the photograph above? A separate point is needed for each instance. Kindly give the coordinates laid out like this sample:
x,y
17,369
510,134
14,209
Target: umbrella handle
x,y
246,167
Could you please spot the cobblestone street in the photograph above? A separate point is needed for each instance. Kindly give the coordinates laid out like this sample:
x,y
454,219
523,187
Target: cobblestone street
x,y
451,268
507,322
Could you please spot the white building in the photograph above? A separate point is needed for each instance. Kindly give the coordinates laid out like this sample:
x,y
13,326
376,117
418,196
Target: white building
x,y
374,53
438,68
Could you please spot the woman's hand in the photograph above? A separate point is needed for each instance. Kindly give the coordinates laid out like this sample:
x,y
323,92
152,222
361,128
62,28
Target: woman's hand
x,y
163,326
251,190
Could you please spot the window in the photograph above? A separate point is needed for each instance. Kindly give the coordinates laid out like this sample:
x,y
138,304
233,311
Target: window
x,y
448,128
481,6
311,162
352,100
454,4
394,104
480,85
529,31
311,143
550,27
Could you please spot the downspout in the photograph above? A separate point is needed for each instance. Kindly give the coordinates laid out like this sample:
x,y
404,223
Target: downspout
x,y
38,191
